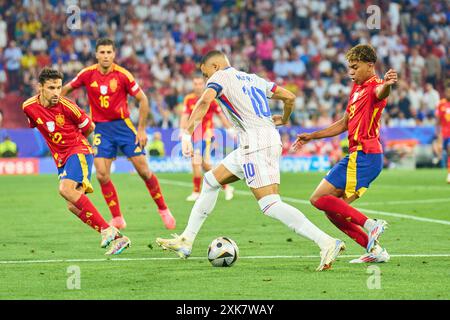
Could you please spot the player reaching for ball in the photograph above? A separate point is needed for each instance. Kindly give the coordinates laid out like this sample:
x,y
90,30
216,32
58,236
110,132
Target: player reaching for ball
x,y
349,179
65,127
244,97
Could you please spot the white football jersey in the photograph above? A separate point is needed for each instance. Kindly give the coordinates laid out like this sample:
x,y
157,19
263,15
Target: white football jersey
x,y
244,97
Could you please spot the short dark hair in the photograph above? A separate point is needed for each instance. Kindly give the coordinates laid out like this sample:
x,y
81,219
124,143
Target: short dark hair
x,y
48,73
210,54
362,52
104,42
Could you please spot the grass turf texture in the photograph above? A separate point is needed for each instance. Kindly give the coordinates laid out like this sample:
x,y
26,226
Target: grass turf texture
x,y
37,226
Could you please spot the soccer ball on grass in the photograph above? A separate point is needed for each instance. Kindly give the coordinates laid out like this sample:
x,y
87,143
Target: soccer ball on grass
x,y
223,252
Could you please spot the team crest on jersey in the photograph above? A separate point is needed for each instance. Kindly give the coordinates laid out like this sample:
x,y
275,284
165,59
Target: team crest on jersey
x,y
103,89
60,120
50,125
113,84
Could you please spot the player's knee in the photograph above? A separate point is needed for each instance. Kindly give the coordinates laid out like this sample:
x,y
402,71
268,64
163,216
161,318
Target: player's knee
x,y
145,174
102,177
206,166
65,191
210,182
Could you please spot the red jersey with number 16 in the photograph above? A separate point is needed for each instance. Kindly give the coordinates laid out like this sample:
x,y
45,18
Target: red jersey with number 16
x,y
107,93
61,126
364,113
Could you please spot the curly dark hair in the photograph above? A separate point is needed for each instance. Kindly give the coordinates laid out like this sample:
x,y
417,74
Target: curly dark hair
x,y
362,52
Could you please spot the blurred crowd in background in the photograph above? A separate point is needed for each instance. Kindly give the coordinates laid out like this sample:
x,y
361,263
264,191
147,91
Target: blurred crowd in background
x,y
299,44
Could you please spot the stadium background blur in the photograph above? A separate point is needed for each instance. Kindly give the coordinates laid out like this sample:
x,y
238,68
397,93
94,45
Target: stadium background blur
x,y
299,44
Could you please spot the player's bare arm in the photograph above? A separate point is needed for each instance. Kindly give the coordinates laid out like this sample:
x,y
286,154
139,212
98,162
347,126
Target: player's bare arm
x,y
384,90
200,109
183,121
335,129
66,90
288,99
144,109
90,130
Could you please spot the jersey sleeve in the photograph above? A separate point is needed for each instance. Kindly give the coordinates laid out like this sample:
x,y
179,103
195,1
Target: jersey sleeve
x,y
31,122
79,80
216,82
268,86
131,85
78,115
378,83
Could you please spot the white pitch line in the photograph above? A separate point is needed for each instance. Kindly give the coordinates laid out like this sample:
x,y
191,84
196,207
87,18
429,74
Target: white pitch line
x,y
289,199
437,255
382,203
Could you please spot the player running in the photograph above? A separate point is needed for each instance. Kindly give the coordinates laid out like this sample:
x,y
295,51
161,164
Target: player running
x,y
443,127
65,127
349,179
244,97
108,86
203,137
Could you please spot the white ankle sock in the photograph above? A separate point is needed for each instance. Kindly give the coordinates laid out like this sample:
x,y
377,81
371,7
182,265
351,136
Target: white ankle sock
x,y
274,207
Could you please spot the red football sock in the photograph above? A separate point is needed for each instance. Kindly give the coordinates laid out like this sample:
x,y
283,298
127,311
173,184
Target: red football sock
x,y
155,191
197,182
448,164
111,198
352,230
90,215
338,206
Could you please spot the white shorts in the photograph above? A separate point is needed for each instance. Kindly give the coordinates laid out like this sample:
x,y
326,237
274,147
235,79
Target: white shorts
x,y
259,168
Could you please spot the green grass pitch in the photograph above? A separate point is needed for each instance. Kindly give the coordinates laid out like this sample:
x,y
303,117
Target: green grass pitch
x,y
41,240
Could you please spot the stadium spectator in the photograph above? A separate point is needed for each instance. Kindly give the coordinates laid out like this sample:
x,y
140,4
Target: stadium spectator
x,y
156,147
2,75
12,56
430,98
295,40
8,148
3,32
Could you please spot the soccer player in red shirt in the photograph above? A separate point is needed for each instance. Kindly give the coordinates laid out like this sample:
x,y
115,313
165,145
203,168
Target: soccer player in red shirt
x,y
65,127
443,127
203,137
350,178
108,86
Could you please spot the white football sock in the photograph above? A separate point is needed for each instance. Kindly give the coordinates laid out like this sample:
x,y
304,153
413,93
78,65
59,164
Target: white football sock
x,y
274,207
203,206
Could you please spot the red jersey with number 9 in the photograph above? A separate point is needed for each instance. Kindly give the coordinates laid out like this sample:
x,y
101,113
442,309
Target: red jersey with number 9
x,y
364,114
61,126
107,93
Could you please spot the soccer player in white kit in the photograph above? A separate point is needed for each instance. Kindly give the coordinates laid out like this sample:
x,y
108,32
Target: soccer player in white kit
x,y
244,97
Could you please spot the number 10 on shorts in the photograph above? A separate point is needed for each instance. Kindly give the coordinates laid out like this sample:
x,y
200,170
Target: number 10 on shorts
x,y
249,171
